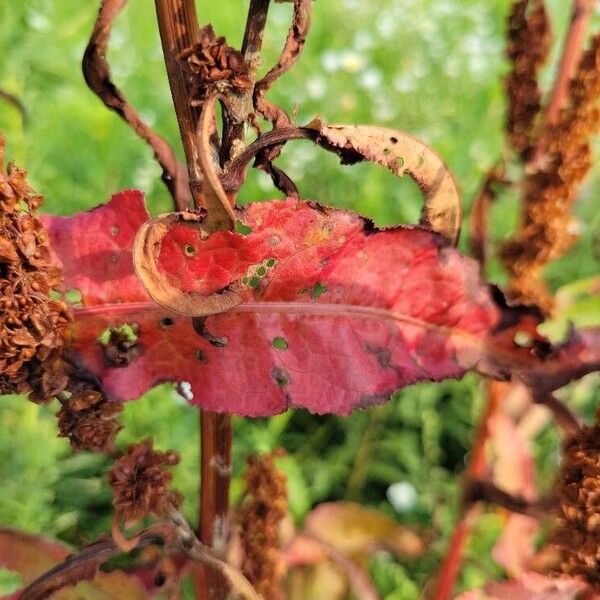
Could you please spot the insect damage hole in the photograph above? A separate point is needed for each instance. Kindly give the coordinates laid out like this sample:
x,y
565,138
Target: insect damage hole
x,y
280,377
166,322
280,343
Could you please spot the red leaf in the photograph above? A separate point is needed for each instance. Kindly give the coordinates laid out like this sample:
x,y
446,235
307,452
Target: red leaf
x,y
328,312
335,314
532,586
31,556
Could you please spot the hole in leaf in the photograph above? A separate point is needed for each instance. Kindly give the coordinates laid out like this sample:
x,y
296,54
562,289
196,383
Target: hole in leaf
x,y
254,281
242,228
201,355
199,324
73,296
159,579
280,377
280,343
271,263
261,271
189,250
167,322
245,280
10,581
386,151
318,290
399,162
394,140
523,339
421,160
120,344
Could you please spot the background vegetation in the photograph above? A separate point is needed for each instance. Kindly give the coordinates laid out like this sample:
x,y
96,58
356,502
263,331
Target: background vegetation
x,y
433,68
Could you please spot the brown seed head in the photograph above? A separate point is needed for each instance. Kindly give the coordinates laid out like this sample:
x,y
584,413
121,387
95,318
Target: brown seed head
x,y
578,533
33,327
260,518
547,229
89,421
140,482
213,67
529,39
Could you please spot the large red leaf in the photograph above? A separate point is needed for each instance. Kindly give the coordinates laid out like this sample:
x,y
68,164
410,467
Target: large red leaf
x,y
335,314
331,313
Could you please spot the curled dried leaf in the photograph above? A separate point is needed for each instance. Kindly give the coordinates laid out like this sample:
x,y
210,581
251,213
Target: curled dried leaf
x,y
401,154
146,251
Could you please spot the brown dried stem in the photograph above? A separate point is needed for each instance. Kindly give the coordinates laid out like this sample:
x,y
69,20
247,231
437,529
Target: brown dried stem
x,y
290,54
96,72
477,490
571,55
179,31
14,101
239,107
174,534
84,565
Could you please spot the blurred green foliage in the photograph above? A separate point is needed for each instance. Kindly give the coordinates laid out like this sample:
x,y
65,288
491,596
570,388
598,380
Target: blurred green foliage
x,y
430,67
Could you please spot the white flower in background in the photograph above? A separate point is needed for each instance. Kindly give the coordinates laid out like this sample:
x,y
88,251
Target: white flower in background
x,y
330,59
316,87
402,495
370,79
351,61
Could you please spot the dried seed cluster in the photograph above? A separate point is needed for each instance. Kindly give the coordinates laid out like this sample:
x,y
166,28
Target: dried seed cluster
x,y
140,482
89,421
33,327
214,67
260,518
578,534
529,39
548,230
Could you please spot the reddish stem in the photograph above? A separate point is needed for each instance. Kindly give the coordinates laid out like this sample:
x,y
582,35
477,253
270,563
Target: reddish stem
x,y
178,25
476,470
571,55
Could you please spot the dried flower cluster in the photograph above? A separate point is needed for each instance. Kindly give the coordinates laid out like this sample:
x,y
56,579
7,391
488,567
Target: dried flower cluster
x,y
140,482
260,518
214,67
89,421
547,230
33,327
578,535
529,39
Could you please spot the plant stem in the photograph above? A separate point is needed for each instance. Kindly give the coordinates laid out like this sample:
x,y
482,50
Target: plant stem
x,y
571,54
178,26
476,470
215,462
239,106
